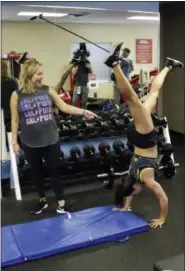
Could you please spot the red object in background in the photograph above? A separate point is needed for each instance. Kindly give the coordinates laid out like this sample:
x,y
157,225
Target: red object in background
x,y
13,55
134,80
72,81
154,72
66,97
143,51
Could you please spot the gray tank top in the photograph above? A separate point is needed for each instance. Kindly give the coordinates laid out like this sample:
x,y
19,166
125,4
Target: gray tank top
x,y
37,123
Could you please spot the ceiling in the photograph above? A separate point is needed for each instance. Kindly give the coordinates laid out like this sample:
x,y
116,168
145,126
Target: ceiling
x,y
89,15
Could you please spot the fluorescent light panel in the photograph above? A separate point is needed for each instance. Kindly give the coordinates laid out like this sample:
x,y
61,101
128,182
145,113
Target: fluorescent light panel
x,y
45,14
145,12
147,18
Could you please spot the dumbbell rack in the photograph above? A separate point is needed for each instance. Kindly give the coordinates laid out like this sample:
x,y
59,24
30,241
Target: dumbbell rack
x,y
99,171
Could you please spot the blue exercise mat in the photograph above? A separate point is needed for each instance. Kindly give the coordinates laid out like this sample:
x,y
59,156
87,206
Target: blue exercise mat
x,y
69,232
10,253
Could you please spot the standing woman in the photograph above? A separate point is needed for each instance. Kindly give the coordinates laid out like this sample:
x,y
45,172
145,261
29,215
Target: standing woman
x,y
31,107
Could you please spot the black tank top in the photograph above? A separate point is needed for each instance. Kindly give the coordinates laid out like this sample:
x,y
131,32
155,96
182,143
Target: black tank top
x,y
143,141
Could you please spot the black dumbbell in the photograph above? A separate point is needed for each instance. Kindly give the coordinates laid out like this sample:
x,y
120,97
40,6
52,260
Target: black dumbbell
x,y
127,118
130,146
158,121
61,155
168,169
75,153
89,150
89,126
161,142
64,129
104,148
118,146
166,149
73,128
104,125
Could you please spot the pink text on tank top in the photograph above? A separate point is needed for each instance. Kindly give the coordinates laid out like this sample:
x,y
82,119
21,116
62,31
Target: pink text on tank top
x,y
36,109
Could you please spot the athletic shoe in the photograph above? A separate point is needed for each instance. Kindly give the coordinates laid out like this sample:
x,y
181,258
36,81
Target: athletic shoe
x,y
23,58
39,207
62,210
173,63
114,59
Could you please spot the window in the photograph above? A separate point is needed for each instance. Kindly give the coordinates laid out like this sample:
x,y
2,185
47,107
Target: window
x,y
97,59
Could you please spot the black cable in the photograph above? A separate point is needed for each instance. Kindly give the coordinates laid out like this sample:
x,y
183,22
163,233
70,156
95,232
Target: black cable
x,y
42,18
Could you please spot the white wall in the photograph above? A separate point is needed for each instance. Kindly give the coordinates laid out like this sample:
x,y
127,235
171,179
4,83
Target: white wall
x,y
51,46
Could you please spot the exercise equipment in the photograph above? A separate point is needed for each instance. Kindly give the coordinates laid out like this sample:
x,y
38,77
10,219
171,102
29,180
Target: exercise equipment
x,y
104,148
61,155
119,147
168,167
159,122
175,263
166,149
89,150
72,231
75,153
41,17
130,146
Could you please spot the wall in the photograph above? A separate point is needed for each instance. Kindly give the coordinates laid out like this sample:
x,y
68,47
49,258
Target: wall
x,y
51,46
172,43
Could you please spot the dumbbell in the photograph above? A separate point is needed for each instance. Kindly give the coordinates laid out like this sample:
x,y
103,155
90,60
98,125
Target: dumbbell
x,y
61,155
118,146
89,150
118,122
127,118
75,153
104,114
89,126
166,149
159,121
168,167
72,127
130,146
103,124
104,148
163,147
64,128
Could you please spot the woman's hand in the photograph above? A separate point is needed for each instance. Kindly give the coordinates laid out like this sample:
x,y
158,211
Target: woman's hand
x,y
16,149
89,115
158,222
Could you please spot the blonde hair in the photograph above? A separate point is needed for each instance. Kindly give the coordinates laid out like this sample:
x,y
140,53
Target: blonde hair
x,y
4,69
29,68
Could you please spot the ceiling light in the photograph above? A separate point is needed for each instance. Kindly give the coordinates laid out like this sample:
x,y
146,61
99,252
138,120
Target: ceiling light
x,y
63,7
148,18
45,14
145,12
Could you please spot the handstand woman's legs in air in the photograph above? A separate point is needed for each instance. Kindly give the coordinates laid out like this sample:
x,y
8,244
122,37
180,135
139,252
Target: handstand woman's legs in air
x,y
141,113
157,83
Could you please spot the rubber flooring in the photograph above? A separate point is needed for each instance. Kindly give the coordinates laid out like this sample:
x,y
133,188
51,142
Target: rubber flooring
x,y
139,254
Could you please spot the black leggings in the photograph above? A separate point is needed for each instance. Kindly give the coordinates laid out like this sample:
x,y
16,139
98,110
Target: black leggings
x,y
51,155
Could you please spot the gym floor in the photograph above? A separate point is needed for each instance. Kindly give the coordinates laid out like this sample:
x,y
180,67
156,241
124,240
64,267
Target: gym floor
x,y
140,253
